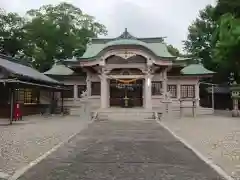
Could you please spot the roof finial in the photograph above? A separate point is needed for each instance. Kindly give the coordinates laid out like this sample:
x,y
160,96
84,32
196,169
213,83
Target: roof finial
x,y
126,35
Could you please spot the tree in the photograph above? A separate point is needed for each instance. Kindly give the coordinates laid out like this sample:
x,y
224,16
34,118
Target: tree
x,y
199,39
226,42
226,50
227,6
59,32
200,43
11,33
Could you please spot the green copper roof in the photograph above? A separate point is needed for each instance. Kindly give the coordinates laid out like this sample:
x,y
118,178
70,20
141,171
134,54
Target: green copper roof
x,y
126,42
158,48
196,69
93,50
59,69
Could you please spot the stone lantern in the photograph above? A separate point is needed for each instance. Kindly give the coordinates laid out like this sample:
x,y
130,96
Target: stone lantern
x,y
85,105
235,92
167,104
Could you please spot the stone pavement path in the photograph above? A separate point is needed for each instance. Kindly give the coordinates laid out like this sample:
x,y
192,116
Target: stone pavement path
x,y
216,137
24,141
122,151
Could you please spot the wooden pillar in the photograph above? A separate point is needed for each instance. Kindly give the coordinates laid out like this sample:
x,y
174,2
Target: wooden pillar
x,y
181,108
62,101
165,81
104,95
148,91
197,94
213,103
12,91
52,103
178,90
88,81
75,92
194,107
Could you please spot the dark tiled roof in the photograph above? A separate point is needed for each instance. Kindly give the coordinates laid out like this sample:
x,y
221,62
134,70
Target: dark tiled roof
x,y
23,70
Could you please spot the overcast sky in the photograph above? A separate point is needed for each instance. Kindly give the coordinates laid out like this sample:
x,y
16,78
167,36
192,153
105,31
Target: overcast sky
x,y
143,18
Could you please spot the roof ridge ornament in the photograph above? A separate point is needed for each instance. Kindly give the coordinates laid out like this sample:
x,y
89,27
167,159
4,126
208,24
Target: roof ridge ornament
x,y
126,35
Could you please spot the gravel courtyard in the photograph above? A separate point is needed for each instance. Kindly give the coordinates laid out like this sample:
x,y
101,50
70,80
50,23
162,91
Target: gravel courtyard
x,y
122,150
216,137
25,141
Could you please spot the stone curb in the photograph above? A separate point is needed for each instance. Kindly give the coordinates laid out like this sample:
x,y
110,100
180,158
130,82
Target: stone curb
x,y
21,171
218,169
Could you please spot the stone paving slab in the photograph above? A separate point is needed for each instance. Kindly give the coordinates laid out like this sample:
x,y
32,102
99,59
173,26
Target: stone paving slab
x,y
107,151
24,141
216,137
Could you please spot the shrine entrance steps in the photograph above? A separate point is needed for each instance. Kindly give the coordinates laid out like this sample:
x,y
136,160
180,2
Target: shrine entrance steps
x,y
125,114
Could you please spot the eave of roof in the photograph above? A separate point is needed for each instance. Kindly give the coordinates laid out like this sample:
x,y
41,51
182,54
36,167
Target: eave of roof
x,y
16,68
16,81
196,69
59,69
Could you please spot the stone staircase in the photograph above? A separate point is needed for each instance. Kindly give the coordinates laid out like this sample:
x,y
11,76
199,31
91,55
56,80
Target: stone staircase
x,y
130,114
205,111
75,111
125,114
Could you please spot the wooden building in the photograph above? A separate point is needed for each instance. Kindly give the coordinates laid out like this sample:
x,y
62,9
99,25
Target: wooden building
x,y
20,83
127,71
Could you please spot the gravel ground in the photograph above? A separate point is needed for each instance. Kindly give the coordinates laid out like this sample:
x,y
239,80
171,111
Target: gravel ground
x,y
25,141
122,151
216,137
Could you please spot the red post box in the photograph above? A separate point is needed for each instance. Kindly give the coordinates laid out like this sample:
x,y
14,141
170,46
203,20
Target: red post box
x,y
17,112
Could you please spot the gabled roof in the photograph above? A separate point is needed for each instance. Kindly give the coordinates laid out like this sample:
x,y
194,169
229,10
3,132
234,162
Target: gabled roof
x,y
196,69
155,45
59,69
22,70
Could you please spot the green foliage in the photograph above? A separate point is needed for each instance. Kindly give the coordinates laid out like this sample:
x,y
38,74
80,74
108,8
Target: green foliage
x,y
214,39
227,6
10,32
59,32
51,32
199,39
226,51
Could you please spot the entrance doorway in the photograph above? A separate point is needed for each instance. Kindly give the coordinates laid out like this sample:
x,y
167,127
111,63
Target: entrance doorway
x,y
126,95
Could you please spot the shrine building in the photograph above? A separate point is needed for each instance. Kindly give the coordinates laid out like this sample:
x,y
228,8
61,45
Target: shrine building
x,y
127,71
